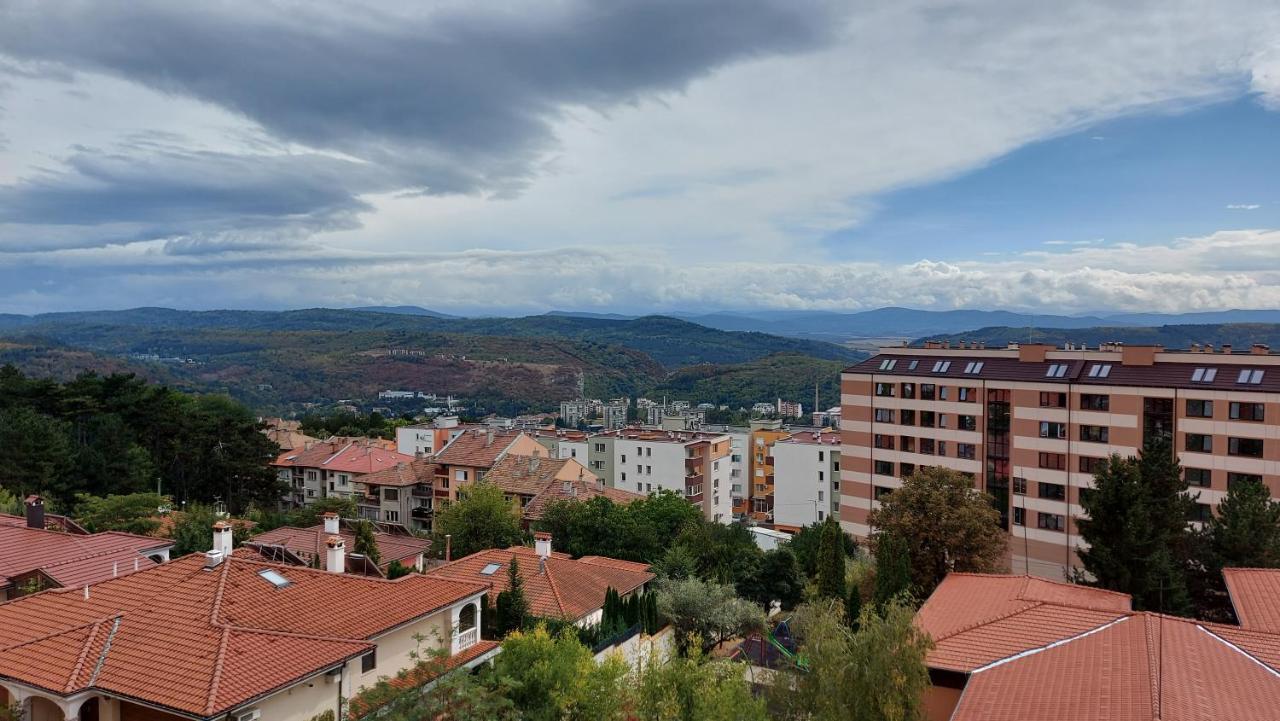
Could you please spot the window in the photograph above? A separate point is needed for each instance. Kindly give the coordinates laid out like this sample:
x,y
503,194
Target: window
x,y
1201,477
888,364
883,441
1053,491
599,447
884,415
942,448
973,368
1251,447
967,423
1056,370
907,444
391,494
1053,400
1235,479
391,516
969,395
1100,370
1020,486
822,456
883,468
908,390
906,469
927,419
369,661
1199,443
1019,516
1095,402
1200,513
1051,521
1053,461
941,366
884,390
1246,411
1091,464
927,391
942,420
343,479
912,365
942,393
274,577
1050,429
1095,434
966,450
881,492
907,417
1252,376
927,446
1204,375
1199,409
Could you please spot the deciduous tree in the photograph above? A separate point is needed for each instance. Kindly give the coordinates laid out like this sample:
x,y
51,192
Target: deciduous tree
x,y
481,518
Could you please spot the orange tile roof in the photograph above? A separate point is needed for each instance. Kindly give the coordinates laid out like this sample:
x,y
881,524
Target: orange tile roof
x,y
409,473
562,588
574,490
205,641
347,455
477,448
52,522
309,543
1255,594
528,475
72,559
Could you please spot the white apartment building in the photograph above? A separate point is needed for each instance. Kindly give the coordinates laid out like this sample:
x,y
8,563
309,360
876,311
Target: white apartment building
x,y
806,479
427,439
698,465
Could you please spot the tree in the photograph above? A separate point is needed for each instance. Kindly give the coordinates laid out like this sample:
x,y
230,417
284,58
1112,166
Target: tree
x,y
778,579
726,553
705,610
1245,533
310,514
692,688
366,543
893,569
395,570
512,606
678,562
544,673
453,695
193,530
133,513
946,524
37,454
853,608
481,518
831,567
804,544
876,673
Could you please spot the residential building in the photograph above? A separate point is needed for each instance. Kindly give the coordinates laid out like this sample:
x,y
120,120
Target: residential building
x,y
575,490
764,433
308,544
332,468
224,636
576,411
286,433
523,477
471,454
697,465
34,557
806,478
1009,648
1031,423
739,466
788,409
426,438
565,443
402,495
614,415
555,584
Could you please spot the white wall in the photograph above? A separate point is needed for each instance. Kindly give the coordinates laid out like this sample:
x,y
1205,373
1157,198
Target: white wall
x,y
412,441
645,466
796,483
576,450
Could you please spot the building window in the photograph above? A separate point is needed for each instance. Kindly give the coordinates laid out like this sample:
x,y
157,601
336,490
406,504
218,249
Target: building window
x,y
343,478
884,415
1250,447
1250,376
888,363
966,450
942,393
1049,399
1020,486
599,447
969,395
1204,375
369,661
1053,461
1095,434
884,442
1050,429
1091,464
1056,370
927,446
927,391
941,366
973,368
942,448
391,516
1199,443
884,390
1095,402
927,419
1246,411
1019,516
1234,479
906,469
908,390
881,492
1051,521
1053,491
1201,477
1200,513
883,468
907,444
907,417
1199,409
1100,370
942,420
967,423
391,494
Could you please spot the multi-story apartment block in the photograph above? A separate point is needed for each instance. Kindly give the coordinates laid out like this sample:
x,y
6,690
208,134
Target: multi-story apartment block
x,y
764,433
1031,423
469,456
645,460
426,439
332,468
739,466
574,412
788,409
806,479
402,495
614,415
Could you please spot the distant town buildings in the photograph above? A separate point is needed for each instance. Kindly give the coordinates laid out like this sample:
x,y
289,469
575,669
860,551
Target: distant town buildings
x,y
331,468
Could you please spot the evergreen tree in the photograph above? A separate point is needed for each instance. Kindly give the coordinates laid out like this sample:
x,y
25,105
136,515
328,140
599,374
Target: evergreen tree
x,y
366,543
893,569
1115,527
853,608
512,605
1245,533
831,566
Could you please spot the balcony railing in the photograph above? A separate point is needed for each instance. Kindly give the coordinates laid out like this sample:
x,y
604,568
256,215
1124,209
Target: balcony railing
x,y
466,639
421,491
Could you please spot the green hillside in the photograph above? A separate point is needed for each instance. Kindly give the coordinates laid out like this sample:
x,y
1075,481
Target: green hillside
x,y
791,377
1239,335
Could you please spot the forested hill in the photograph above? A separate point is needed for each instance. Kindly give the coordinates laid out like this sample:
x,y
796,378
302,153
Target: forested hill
x,y
1239,335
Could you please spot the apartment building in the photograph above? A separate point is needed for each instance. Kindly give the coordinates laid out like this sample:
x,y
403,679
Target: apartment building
x,y
1030,423
806,478
577,411
402,495
696,464
223,635
425,439
764,433
332,468
470,455
739,466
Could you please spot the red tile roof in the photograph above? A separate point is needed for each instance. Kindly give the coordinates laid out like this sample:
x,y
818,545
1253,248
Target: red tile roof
x,y
356,456
1255,594
205,641
574,490
562,588
72,559
409,473
529,475
309,543
477,448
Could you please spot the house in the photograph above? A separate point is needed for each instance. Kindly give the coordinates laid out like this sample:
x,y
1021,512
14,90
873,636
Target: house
x,y
556,585
470,455
530,478
33,557
308,544
401,495
1009,648
286,434
574,490
331,468
224,636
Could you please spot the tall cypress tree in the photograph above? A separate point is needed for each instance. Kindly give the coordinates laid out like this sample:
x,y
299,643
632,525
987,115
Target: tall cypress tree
x,y
831,568
853,608
893,569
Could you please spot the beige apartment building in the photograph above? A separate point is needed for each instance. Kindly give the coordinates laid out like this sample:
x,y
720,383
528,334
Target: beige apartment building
x,y
1030,424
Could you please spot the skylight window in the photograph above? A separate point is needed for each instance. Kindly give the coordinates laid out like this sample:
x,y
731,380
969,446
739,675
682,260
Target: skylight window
x,y
912,365
941,366
973,368
1100,370
1204,375
888,364
1056,370
1252,376
273,577
490,569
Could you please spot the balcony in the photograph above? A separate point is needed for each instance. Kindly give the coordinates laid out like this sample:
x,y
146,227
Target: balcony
x,y
422,513
422,490
466,639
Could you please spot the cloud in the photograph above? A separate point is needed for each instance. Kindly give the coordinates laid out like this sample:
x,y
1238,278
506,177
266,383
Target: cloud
x,y
1243,206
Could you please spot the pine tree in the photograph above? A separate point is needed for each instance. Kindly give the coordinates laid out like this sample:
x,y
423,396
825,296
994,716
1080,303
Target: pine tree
x,y
893,569
831,567
366,543
512,607
1245,533
853,608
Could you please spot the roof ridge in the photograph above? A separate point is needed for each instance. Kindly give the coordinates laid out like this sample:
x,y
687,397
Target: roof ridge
x,y
995,618
1238,649
551,581
216,606
218,663
1154,659
84,653
106,647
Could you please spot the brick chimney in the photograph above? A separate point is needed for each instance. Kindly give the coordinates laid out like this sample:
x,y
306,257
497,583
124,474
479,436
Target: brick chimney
x,y
1226,348
35,511
331,523
1260,349
222,538
336,556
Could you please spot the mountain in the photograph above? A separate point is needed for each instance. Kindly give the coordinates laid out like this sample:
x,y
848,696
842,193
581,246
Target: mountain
x,y
1239,335
402,310
586,314
791,377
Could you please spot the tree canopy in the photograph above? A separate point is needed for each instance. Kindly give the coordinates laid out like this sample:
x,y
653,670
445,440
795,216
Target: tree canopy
x,y
481,518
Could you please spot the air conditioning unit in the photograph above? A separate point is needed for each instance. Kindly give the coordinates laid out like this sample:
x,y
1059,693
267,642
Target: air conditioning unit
x,y
252,714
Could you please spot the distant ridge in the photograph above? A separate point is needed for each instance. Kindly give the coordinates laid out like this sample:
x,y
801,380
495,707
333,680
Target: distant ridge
x,y
402,310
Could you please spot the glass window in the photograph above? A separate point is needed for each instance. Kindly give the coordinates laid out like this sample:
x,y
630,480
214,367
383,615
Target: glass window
x,y
927,391
1251,447
883,468
1091,464
1053,491
884,390
1199,443
1095,402
1201,477
1051,521
1246,411
1199,409
1050,399
908,390
1095,434
1019,516
1234,479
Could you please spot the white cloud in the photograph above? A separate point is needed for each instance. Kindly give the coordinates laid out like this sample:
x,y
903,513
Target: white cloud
x,y
1243,206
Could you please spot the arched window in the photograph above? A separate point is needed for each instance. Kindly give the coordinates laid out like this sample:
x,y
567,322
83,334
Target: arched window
x,y
467,618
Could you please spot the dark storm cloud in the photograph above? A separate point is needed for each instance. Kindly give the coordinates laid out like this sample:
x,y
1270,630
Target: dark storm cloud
x,y
460,100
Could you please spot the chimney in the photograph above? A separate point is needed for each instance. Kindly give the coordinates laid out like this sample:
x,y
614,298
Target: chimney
x,y
542,542
35,512
330,523
336,558
1195,347
488,439
448,547
1260,349
222,538
1208,347
212,559
1226,347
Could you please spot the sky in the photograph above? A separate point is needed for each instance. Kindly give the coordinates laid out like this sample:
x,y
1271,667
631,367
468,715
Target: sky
x,y
640,155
